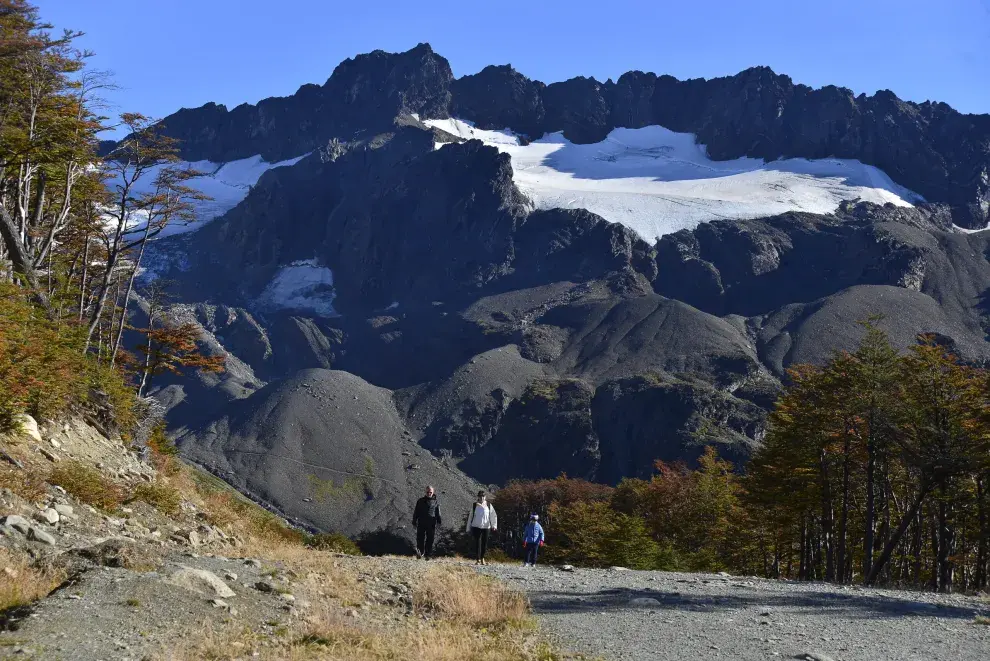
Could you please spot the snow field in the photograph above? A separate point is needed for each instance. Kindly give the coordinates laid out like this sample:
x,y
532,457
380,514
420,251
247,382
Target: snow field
x,y
656,181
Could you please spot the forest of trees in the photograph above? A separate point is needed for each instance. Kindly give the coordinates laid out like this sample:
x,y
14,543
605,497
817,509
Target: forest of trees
x,y
74,229
875,469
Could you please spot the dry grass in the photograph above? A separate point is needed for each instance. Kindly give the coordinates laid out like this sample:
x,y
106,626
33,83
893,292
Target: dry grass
x,y
468,618
982,620
25,483
21,583
465,597
88,485
161,496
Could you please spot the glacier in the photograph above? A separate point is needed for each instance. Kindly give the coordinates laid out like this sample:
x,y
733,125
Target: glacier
x,y
656,181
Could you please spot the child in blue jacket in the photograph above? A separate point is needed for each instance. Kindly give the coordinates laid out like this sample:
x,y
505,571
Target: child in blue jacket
x,y
532,540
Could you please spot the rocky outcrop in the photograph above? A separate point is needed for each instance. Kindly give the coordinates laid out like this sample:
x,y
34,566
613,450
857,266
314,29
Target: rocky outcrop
x,y
364,94
648,418
751,267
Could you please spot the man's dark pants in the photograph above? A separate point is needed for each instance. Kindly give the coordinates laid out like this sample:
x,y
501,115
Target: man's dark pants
x,y
424,538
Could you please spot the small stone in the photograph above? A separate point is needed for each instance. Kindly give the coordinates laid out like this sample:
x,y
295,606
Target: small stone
x,y
10,572
567,568
619,568
49,516
194,538
287,597
54,443
65,510
18,523
49,455
265,586
814,656
644,601
251,562
350,612
39,535
230,576
219,603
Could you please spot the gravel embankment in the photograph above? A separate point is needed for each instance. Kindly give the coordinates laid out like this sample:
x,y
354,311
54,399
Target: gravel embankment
x,y
633,615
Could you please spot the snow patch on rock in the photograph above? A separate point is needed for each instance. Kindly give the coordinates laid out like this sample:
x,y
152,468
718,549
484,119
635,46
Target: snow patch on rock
x,y
226,183
656,181
302,285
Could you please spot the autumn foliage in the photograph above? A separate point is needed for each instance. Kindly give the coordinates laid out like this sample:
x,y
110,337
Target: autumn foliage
x,y
875,469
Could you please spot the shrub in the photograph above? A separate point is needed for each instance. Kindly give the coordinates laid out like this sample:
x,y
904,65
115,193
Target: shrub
x,y
43,370
88,485
27,484
160,496
335,542
595,535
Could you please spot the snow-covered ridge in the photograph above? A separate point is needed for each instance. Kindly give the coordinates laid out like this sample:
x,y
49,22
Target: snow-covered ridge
x,y
227,183
656,181
302,285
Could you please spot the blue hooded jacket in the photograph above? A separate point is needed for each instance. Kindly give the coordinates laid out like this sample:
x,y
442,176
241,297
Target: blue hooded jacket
x,y
533,533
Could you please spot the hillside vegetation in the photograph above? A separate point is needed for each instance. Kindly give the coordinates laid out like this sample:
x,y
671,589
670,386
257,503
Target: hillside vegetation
x,y
875,469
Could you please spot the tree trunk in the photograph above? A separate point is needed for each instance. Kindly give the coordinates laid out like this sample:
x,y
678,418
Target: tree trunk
x,y
980,579
82,282
803,566
21,261
945,542
828,523
888,548
101,298
870,516
844,520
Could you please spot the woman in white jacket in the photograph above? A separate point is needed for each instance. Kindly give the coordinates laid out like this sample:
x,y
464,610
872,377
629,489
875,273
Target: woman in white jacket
x,y
481,519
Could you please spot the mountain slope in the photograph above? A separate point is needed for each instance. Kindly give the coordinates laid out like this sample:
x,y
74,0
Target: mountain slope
x,y
429,272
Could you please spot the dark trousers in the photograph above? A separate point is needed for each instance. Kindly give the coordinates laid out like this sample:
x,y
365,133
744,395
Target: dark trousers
x,y
480,542
424,539
532,550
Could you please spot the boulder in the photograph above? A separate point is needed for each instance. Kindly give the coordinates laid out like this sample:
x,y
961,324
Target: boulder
x,y
18,523
200,581
29,426
39,535
48,515
64,510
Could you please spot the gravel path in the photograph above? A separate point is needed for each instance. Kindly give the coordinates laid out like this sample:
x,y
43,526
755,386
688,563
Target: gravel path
x,y
632,615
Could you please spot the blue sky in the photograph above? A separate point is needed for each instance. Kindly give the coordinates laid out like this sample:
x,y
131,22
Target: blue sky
x,y
168,54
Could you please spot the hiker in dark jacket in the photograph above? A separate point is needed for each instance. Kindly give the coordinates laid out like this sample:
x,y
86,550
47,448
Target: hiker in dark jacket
x,y
426,519
532,540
